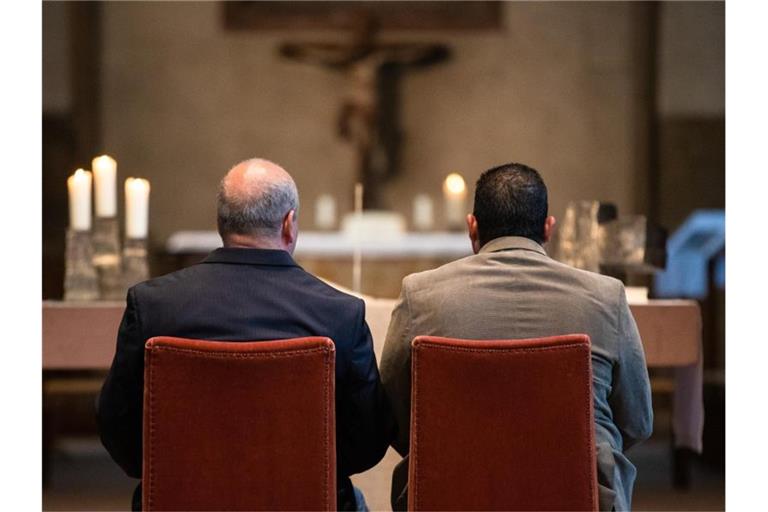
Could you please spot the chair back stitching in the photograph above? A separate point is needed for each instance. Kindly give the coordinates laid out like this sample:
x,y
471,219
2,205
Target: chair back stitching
x,y
150,493
326,418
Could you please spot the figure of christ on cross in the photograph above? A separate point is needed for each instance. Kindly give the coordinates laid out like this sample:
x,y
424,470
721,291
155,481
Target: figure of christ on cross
x,y
364,121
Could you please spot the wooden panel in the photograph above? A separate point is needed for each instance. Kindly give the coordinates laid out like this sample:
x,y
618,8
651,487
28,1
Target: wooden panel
x,y
400,15
692,152
645,40
85,54
58,163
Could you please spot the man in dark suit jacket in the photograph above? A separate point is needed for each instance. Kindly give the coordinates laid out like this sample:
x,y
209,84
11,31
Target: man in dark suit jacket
x,y
251,289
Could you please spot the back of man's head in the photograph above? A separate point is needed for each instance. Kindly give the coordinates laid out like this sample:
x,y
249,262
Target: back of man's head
x,y
510,200
254,199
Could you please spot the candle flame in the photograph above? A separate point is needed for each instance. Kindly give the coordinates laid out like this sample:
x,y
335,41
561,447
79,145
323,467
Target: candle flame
x,y
454,183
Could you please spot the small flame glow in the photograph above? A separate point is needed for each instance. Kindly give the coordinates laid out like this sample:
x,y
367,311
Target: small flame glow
x,y
454,184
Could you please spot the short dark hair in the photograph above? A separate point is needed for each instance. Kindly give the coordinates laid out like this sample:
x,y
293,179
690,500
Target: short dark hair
x,y
510,200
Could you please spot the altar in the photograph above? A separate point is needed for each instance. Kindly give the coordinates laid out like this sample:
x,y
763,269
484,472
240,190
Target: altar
x,y
82,335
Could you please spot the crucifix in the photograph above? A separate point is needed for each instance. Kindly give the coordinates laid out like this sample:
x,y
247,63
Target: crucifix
x,y
368,117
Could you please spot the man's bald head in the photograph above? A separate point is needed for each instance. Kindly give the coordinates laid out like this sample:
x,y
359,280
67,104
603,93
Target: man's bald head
x,y
254,199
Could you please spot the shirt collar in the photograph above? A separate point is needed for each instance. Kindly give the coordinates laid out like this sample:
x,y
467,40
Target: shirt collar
x,y
506,243
248,256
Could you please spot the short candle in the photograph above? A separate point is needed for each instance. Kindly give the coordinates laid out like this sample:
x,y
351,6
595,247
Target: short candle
x,y
136,207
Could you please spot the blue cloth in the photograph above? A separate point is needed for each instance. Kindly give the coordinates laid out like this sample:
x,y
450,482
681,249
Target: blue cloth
x,y
698,240
362,506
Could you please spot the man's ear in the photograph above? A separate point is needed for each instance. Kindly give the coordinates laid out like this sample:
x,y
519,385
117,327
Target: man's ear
x,y
549,228
474,235
290,228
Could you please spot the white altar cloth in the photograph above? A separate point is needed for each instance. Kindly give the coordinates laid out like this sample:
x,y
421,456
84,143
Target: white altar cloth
x,y
440,244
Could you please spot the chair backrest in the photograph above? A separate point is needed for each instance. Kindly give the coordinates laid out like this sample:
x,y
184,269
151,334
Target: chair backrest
x,y
502,425
239,425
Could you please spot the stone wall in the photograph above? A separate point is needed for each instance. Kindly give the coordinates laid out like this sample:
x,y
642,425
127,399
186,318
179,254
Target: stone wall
x,y
556,88
184,99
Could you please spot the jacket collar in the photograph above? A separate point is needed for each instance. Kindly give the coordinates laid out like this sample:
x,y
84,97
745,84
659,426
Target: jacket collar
x,y
242,256
506,243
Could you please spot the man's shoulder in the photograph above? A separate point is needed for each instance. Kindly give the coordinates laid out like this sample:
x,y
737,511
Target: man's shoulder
x,y
181,277
602,285
427,278
196,276
598,285
324,290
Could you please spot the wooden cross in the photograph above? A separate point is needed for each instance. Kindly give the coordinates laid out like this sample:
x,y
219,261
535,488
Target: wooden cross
x,y
368,117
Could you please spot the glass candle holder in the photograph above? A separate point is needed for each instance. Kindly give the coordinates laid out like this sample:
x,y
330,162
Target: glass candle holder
x,y
135,266
106,257
578,243
80,279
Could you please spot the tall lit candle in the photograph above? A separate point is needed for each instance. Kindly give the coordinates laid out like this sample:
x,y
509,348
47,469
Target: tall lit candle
x,y
455,195
136,207
79,186
105,185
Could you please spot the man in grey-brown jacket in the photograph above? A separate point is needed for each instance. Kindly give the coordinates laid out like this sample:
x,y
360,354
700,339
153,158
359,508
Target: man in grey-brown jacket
x,y
510,288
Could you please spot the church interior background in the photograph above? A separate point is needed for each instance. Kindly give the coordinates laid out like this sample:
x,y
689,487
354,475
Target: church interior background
x,y
616,102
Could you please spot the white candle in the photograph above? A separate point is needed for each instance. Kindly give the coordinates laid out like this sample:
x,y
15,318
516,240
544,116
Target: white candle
x,y
325,212
79,186
423,212
455,194
136,208
105,185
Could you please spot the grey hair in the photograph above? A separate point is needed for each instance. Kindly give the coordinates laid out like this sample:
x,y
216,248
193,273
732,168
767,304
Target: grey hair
x,y
259,214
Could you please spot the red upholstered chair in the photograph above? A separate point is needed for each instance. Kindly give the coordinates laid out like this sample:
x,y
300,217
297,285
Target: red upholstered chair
x,y
502,425
239,426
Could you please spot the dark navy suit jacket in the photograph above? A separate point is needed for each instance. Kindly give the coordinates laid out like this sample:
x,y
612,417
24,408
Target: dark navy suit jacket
x,y
246,295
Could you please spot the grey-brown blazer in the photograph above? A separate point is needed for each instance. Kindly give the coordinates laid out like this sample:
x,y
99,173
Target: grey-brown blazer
x,y
512,289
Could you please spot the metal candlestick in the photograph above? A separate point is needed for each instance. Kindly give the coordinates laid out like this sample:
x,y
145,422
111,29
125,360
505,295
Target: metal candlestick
x,y
80,280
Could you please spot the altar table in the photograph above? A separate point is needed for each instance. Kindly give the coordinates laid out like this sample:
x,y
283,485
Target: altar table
x,y
81,336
